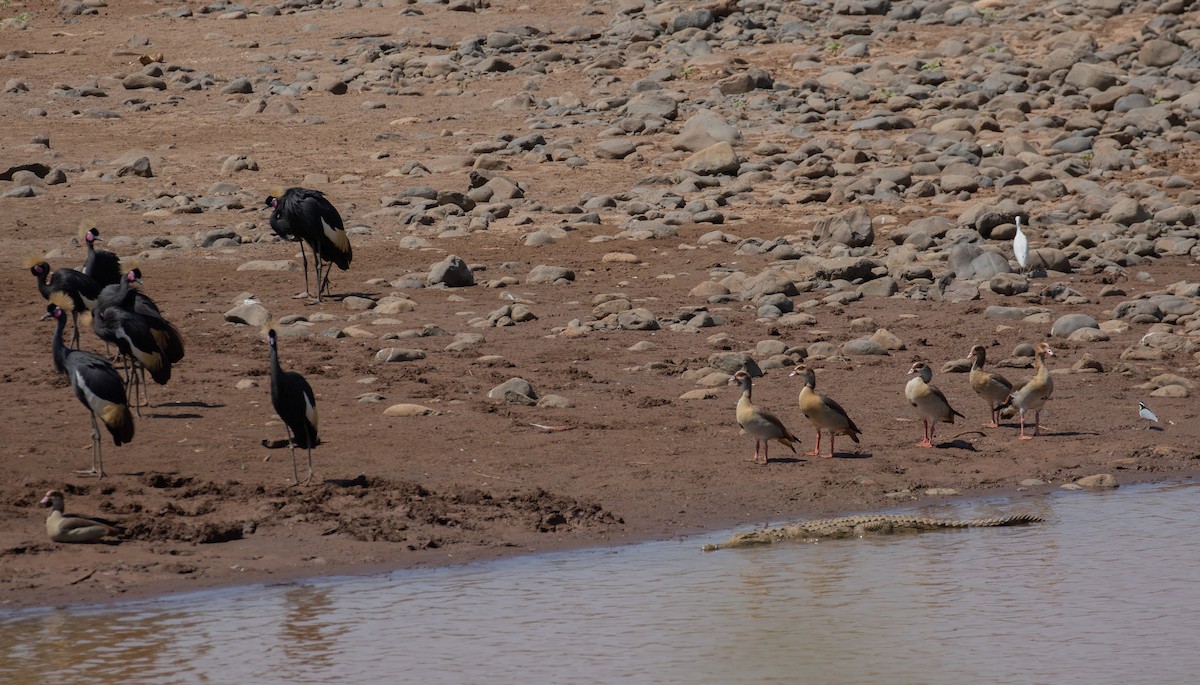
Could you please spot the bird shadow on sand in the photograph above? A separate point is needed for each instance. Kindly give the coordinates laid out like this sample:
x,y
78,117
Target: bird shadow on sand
x,y
957,443
1064,434
785,460
850,455
181,415
336,297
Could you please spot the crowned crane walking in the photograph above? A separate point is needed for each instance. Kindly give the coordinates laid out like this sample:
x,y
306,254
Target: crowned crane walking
x,y
103,266
97,386
296,405
80,288
301,214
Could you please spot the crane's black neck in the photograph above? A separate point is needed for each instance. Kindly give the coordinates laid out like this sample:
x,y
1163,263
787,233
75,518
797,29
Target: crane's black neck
x,y
276,372
43,281
60,350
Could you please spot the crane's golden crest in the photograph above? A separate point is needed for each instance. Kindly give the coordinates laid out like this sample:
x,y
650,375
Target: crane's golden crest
x,y
62,301
276,192
32,260
85,226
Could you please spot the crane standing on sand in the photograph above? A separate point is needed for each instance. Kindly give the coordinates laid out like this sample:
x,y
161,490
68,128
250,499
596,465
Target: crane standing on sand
x,y
300,214
97,385
296,405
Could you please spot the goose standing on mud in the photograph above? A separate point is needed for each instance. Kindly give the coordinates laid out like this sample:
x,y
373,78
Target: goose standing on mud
x,y
823,412
931,404
992,387
1033,395
760,424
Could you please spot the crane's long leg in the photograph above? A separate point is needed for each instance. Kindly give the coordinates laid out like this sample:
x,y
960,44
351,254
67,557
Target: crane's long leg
x,y
144,386
97,469
325,286
320,262
310,471
304,259
75,325
292,447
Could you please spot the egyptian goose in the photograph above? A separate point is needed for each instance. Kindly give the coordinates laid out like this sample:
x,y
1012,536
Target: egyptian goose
x,y
990,386
759,423
823,412
931,404
64,528
1033,395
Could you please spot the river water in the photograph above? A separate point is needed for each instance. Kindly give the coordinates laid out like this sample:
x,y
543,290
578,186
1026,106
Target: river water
x,y
1105,591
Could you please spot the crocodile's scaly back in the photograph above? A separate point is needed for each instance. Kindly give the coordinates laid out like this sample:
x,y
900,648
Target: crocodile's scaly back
x,y
860,526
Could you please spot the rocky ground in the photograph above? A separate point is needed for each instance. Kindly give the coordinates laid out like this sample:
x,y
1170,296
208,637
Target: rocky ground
x,y
572,221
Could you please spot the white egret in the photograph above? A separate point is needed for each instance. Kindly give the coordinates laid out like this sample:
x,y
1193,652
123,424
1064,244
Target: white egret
x,y
1021,247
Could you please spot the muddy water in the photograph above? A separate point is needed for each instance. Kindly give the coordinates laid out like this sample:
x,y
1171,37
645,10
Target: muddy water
x,y
1105,592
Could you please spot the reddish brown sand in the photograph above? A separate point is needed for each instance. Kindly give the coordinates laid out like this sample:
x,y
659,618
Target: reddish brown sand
x,y
206,504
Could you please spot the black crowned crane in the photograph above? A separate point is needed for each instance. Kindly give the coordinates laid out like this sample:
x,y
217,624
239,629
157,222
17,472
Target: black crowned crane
x,y
96,384
296,405
103,266
131,299
76,285
301,214
135,338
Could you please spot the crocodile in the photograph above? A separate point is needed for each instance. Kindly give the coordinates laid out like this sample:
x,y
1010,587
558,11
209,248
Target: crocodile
x,y
861,526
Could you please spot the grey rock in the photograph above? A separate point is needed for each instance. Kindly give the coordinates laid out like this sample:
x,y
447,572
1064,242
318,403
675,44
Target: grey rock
x,y
237,86
1159,53
1049,259
269,265
1008,284
399,354
451,272
1083,75
1067,324
549,274
615,148
250,314
719,158
692,19
140,80
851,228
732,362
705,129
863,347
518,386
639,319
652,104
